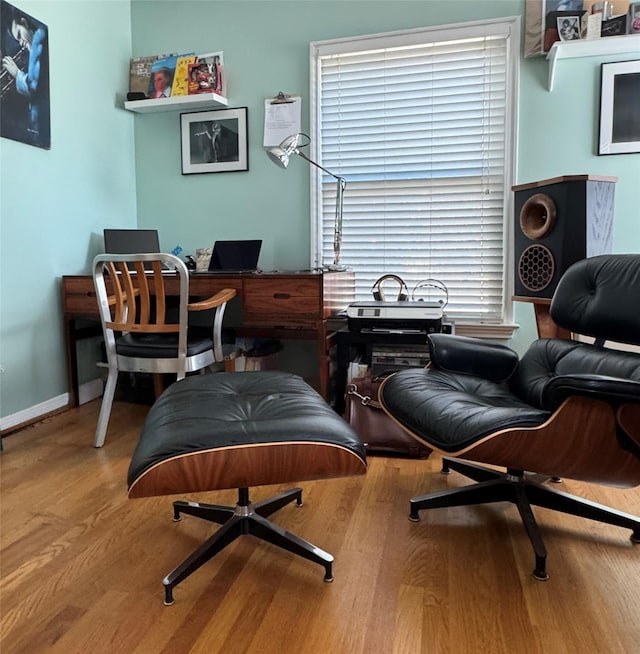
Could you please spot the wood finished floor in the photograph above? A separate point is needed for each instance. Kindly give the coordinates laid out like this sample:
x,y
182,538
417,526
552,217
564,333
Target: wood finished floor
x,y
81,565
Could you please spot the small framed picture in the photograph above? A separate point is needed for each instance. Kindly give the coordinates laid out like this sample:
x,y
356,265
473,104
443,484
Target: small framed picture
x,y
541,28
214,141
568,27
619,131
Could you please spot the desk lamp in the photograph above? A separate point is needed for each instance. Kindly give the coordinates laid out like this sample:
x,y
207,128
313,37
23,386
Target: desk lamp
x,y
280,155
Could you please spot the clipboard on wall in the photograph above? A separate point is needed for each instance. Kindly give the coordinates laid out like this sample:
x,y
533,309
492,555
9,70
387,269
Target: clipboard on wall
x,y
282,117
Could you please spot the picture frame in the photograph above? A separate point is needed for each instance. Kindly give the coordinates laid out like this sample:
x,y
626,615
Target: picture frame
x,y
214,141
619,124
568,27
538,38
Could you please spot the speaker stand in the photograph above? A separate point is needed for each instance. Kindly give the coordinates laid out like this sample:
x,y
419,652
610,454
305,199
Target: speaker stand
x,y
544,322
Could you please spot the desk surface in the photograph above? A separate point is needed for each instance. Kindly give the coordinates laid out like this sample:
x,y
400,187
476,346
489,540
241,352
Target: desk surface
x,y
278,304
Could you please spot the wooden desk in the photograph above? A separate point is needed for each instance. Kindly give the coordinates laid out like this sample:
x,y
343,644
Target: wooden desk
x,y
294,305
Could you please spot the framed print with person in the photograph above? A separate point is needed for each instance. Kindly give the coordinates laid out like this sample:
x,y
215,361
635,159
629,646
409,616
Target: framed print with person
x,y
214,141
619,129
24,78
541,30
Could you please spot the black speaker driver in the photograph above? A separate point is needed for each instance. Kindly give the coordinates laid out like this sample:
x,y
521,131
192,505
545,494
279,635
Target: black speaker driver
x,y
536,267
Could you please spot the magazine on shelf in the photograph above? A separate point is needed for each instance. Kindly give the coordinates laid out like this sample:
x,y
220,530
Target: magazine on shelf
x,y
161,80
181,76
206,74
140,73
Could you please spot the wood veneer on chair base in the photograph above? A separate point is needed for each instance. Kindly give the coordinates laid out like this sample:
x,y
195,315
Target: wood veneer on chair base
x,y
516,487
582,435
239,430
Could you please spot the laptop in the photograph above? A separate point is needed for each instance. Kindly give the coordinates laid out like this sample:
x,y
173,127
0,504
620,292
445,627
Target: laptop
x,y
235,256
133,241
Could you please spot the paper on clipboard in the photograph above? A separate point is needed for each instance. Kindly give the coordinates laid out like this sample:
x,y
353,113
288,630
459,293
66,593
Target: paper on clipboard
x,y
281,119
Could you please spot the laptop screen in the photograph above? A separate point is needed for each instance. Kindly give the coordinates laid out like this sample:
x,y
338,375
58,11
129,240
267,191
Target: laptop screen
x,y
235,256
131,241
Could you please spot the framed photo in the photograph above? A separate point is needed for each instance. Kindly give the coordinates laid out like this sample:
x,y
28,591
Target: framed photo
x,y
568,27
214,141
540,30
619,131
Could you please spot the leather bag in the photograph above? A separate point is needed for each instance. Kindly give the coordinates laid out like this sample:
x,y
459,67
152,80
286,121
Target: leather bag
x,y
379,433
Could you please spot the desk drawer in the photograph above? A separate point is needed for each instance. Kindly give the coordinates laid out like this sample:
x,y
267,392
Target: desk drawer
x,y
291,302
79,296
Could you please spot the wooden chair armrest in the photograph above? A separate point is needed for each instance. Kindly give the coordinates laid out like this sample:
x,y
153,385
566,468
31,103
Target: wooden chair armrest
x,y
214,301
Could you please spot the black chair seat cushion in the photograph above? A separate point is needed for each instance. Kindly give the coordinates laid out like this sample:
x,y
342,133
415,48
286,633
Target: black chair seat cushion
x,y
452,411
164,346
249,415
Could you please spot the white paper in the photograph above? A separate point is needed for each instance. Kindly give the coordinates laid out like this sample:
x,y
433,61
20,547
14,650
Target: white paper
x,y
281,119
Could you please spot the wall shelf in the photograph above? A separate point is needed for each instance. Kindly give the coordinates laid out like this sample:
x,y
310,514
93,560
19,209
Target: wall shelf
x,y
201,101
626,44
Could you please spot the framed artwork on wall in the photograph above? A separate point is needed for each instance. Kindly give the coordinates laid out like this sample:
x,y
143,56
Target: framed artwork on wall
x,y
24,78
540,30
619,129
214,141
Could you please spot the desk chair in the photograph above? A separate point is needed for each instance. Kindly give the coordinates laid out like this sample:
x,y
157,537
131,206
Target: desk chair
x,y
566,409
139,335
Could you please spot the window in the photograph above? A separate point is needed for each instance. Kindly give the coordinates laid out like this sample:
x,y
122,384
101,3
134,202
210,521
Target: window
x,y
421,124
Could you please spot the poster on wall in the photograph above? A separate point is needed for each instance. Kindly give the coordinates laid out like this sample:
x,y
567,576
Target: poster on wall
x,y
24,78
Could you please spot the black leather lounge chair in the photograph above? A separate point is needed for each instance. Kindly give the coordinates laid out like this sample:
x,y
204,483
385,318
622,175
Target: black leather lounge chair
x,y
567,409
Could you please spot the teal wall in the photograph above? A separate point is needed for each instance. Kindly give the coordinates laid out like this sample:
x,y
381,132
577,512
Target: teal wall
x,y
54,203
88,180
266,49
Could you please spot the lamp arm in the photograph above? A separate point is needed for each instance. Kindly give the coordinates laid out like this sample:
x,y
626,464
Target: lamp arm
x,y
337,221
317,165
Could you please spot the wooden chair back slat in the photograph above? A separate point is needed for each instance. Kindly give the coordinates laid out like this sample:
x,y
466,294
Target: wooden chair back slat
x,y
132,301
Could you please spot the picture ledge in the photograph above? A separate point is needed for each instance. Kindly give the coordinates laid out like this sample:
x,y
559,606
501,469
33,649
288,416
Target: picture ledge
x,y
177,103
627,43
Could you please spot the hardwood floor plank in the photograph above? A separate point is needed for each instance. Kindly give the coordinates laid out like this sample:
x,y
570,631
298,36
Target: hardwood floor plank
x,y
81,565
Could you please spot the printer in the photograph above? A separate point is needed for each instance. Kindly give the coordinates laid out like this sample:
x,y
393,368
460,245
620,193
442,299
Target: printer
x,y
417,315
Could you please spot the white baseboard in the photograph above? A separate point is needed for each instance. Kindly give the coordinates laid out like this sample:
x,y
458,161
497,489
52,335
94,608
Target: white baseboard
x,y
86,393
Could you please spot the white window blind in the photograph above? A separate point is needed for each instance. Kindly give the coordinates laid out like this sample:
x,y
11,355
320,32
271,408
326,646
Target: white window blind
x,y
420,127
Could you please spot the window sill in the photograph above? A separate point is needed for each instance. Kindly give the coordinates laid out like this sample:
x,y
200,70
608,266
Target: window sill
x,y
481,330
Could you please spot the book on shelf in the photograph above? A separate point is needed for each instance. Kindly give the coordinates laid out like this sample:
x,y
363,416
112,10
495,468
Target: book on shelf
x,y
206,74
140,73
181,77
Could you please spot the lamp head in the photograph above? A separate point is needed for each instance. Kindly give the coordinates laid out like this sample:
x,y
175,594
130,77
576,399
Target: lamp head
x,y
280,154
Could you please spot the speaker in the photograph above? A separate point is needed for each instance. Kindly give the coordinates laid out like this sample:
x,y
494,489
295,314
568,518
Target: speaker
x,y
558,222
378,289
